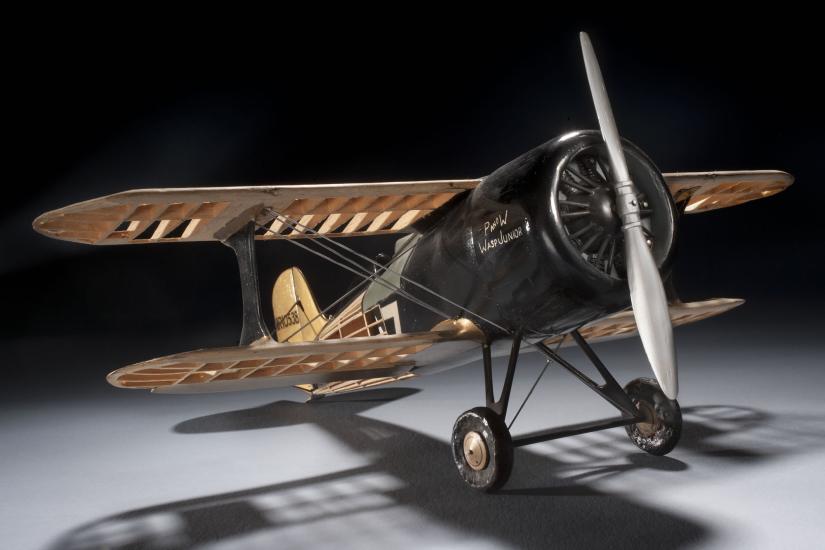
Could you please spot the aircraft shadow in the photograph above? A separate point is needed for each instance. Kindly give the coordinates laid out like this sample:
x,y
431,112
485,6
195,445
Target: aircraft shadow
x,y
411,476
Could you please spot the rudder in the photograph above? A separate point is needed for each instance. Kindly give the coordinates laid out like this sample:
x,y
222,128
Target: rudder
x,y
297,317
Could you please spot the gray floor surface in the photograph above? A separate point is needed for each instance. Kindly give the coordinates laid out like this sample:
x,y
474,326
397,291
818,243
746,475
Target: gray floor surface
x,y
88,466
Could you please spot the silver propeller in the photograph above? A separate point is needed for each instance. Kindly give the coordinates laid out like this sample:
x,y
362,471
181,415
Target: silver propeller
x,y
647,294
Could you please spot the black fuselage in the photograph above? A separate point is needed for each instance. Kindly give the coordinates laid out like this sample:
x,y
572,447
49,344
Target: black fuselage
x,y
504,253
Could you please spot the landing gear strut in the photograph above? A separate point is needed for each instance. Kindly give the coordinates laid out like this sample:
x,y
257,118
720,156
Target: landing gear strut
x,y
483,447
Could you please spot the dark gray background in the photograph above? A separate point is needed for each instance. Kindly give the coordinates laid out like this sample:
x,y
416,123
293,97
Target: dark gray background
x,y
292,100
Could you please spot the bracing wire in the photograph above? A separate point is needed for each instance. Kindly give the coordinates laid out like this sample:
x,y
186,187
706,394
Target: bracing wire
x,y
351,291
367,276
364,273
297,226
303,228
536,383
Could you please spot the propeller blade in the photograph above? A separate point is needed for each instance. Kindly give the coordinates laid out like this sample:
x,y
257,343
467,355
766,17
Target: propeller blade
x,y
604,113
647,294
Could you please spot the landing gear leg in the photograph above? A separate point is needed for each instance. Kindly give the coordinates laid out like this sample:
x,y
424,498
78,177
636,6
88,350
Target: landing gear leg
x,y
481,443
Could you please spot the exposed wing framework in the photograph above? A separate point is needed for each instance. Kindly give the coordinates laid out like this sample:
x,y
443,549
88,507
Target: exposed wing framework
x,y
215,213
269,363
349,209
622,324
703,191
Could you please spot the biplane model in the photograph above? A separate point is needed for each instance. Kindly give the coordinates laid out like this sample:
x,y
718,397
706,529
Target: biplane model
x,y
570,243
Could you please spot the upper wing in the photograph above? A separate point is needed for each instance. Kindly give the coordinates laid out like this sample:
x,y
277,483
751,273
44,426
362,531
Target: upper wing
x,y
215,213
703,191
348,209
270,363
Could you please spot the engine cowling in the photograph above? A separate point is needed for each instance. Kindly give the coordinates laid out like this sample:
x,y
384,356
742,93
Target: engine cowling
x,y
537,246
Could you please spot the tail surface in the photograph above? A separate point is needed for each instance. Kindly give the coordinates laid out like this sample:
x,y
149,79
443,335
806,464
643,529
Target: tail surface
x,y
297,317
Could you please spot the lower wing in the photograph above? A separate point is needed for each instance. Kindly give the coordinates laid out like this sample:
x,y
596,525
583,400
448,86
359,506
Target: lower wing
x,y
347,364
623,324
270,364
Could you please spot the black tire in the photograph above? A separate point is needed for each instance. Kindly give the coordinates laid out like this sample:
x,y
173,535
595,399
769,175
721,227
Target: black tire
x,y
661,433
494,470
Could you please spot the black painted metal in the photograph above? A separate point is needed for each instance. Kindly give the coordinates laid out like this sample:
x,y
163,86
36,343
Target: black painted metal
x,y
610,383
489,395
504,400
573,429
243,244
503,252
500,406
612,393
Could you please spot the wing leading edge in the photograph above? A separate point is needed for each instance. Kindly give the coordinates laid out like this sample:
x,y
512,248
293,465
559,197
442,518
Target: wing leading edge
x,y
623,324
214,213
350,209
704,191
271,364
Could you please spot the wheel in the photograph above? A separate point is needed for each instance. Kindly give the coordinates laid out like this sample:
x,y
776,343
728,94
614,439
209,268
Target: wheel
x,y
660,434
482,449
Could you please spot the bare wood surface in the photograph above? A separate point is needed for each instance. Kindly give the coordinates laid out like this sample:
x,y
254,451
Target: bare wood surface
x,y
706,191
293,362
623,325
347,209
212,213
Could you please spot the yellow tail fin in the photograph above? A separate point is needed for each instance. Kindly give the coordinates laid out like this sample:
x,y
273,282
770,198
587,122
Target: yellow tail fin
x,y
295,307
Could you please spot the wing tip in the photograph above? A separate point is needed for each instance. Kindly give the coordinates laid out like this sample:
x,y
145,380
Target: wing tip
x,y
51,224
706,191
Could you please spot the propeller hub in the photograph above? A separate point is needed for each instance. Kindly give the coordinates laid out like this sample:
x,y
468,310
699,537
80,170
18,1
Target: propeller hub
x,y
603,210
588,209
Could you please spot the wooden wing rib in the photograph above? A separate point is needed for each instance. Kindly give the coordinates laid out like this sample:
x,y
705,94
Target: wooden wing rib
x,y
703,191
623,324
347,386
214,213
271,364
348,209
